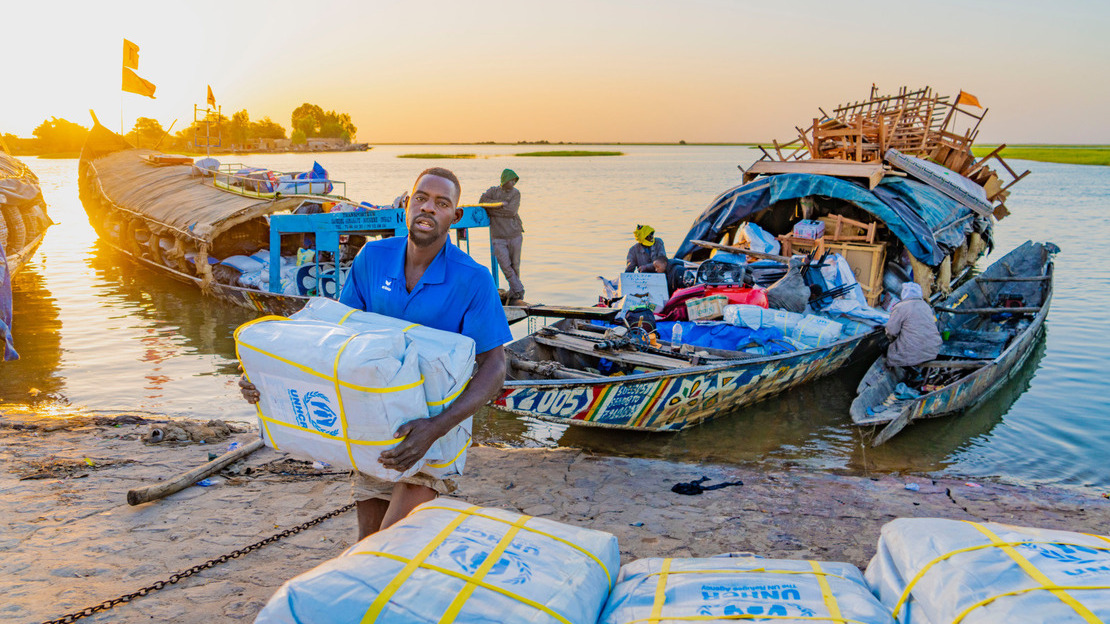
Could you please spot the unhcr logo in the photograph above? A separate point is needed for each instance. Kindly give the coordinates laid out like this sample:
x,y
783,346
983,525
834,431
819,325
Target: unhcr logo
x,y
320,413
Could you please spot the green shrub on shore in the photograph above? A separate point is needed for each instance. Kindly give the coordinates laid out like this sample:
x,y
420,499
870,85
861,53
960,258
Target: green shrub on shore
x,y
1064,154
570,153
436,156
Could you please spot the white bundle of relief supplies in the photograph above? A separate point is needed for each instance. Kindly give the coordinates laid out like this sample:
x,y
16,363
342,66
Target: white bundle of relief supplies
x,y
741,588
448,561
929,570
809,329
337,394
446,362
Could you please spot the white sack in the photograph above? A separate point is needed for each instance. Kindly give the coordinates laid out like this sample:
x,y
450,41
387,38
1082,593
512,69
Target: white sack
x,y
305,412
956,584
732,587
570,576
446,361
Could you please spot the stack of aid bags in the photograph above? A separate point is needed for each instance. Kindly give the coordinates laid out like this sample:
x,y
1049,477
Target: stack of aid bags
x,y
336,383
448,561
929,570
724,589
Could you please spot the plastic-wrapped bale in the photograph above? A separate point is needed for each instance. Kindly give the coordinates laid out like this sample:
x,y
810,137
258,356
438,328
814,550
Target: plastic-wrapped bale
x,y
332,393
928,570
448,561
446,361
726,589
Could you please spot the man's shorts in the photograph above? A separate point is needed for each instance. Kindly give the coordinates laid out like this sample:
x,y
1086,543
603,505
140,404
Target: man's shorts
x,y
365,487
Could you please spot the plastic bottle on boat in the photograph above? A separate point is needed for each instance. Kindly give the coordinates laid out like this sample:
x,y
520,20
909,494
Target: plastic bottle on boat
x,y
676,336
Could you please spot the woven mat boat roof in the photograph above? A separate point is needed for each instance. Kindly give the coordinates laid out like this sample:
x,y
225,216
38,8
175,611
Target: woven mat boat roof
x,y
171,196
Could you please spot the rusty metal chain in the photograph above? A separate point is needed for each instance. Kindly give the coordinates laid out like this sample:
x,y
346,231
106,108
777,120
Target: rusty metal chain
x,y
108,604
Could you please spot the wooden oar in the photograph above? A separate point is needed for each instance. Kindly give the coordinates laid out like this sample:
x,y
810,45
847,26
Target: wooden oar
x,y
142,495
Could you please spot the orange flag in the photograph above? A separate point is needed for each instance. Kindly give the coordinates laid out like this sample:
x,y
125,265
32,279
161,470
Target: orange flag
x,y
132,83
211,97
130,55
969,99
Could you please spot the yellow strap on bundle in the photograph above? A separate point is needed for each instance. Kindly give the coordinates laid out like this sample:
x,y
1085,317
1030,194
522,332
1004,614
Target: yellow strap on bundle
x,y
334,378
826,592
1037,575
447,463
470,512
494,556
339,400
387,592
661,598
258,404
1006,547
462,577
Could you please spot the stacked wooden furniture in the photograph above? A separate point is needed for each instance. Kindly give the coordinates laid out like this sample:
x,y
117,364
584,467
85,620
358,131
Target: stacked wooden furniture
x,y
855,241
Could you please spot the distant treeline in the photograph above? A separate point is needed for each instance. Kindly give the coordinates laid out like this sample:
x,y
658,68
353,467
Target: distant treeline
x,y
60,136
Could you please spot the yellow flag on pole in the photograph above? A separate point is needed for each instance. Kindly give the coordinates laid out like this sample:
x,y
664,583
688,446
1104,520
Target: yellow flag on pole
x,y
211,97
969,99
132,83
130,55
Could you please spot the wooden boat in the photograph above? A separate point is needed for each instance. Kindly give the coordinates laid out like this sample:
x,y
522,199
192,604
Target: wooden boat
x,y
553,375
991,324
23,217
23,225
202,229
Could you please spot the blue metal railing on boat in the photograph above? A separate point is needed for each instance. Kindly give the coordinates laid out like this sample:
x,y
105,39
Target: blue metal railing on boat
x,y
329,226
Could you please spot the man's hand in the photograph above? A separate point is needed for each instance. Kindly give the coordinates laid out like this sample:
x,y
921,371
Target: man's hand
x,y
248,390
419,435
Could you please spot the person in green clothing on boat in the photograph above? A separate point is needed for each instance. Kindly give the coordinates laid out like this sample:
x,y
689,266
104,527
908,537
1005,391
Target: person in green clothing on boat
x,y
507,231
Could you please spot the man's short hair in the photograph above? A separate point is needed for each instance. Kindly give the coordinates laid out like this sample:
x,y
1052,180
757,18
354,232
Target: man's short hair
x,y
440,172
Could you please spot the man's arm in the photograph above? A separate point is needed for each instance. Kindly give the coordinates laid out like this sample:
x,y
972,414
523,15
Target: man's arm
x,y
419,434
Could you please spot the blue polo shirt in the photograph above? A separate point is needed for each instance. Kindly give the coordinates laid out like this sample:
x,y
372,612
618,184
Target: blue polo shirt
x,y
455,294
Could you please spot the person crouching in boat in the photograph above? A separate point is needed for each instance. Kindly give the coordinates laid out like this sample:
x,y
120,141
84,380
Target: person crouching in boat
x,y
422,278
648,254
912,330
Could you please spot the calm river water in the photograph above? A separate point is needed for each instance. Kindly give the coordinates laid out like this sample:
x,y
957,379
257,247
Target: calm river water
x,y
97,333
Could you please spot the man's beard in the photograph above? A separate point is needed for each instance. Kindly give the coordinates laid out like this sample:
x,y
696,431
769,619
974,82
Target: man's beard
x,y
421,238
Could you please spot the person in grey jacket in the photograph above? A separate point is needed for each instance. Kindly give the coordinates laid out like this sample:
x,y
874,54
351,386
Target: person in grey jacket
x,y
648,254
506,231
912,329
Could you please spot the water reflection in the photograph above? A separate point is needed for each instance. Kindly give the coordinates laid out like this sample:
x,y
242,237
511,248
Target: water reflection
x,y
36,327
806,426
180,319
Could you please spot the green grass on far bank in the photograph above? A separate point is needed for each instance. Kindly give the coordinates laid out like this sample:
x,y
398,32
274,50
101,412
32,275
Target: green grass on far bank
x,y
435,156
570,153
61,155
1064,154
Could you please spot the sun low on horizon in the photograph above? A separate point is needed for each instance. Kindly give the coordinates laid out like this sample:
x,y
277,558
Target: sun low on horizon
x,y
603,72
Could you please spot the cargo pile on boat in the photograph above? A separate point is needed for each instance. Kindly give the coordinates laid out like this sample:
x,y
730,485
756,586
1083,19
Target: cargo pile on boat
x,y
23,218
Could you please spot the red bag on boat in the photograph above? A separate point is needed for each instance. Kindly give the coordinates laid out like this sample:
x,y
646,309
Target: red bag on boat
x,y
740,295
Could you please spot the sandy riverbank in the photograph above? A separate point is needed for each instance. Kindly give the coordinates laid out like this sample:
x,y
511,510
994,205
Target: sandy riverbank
x,y
70,540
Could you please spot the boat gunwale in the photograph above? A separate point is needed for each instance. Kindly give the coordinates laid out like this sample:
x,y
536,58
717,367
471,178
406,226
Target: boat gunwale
x,y
1022,339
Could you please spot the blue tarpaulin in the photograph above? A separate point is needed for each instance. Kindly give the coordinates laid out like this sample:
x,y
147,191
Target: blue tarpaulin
x,y
6,308
927,222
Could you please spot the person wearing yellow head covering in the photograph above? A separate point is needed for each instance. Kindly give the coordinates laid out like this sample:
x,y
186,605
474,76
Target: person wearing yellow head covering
x,y
506,231
648,255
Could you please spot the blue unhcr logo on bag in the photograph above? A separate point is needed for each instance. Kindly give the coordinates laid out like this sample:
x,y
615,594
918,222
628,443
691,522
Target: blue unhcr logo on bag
x,y
316,411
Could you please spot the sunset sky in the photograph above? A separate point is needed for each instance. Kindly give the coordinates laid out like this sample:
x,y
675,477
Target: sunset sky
x,y
571,70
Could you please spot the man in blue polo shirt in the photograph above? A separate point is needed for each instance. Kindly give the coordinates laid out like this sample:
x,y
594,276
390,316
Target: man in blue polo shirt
x,y
423,278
